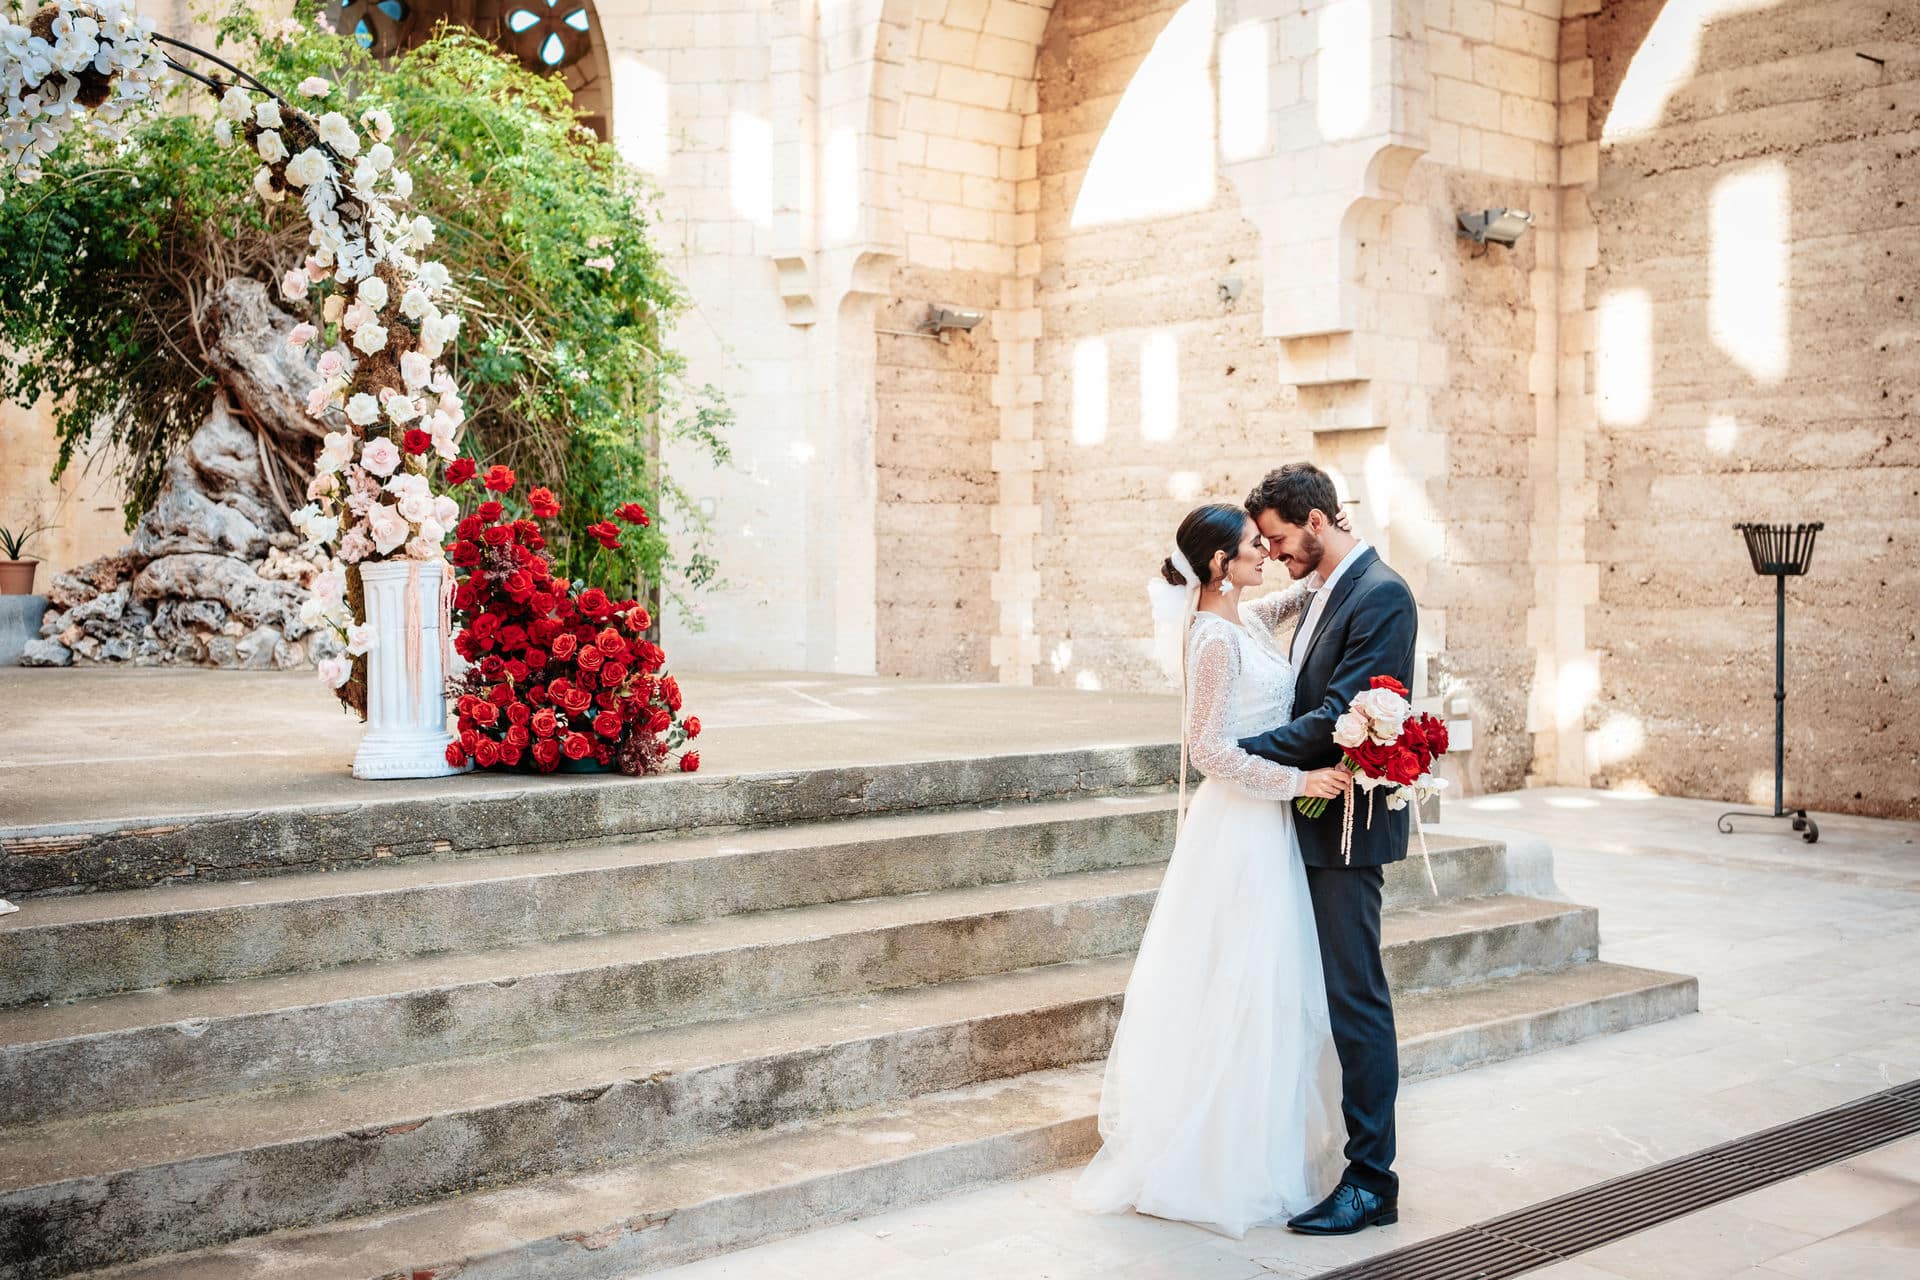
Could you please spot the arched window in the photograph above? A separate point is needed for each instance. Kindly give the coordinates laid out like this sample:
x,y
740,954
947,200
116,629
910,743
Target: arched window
x,y
556,37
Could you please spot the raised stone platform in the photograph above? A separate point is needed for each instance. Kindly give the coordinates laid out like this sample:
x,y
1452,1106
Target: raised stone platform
x,y
583,1027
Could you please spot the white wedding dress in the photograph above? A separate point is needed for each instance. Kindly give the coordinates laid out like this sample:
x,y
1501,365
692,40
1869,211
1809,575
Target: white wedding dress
x,y
1222,1098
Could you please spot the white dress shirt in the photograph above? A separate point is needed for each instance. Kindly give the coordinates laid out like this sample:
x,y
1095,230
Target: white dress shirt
x,y
1304,637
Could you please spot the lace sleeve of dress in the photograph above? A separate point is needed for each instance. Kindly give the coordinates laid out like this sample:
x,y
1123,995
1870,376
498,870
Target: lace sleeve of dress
x,y
1271,610
1213,663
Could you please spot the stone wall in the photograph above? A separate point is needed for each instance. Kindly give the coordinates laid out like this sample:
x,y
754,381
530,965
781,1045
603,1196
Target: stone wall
x,y
1157,395
1755,357
935,425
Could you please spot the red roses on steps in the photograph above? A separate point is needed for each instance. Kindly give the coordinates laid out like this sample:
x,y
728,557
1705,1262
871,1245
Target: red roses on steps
x,y
554,674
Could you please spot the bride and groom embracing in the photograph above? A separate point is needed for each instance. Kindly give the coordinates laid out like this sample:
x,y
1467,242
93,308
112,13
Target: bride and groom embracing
x,y
1256,1047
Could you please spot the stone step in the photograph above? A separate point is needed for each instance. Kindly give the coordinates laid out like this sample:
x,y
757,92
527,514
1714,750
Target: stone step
x,y
159,1047
152,1048
64,948
485,812
644,1215
93,944
101,1189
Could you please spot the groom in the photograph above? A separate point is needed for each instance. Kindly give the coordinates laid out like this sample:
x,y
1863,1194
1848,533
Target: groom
x,y
1359,623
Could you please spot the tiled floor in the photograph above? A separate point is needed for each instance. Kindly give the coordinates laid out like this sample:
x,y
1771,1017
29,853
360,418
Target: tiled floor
x,y
1808,959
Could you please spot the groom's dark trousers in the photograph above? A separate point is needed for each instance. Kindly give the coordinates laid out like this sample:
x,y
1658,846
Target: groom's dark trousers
x,y
1346,911
1367,628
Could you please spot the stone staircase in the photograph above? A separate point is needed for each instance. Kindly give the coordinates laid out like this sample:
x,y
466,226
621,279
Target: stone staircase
x,y
599,1059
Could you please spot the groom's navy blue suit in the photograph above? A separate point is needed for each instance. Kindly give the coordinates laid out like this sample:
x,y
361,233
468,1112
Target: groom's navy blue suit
x,y
1367,628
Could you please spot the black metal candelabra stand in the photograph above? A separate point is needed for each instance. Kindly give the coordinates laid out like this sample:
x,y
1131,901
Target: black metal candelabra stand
x,y
1781,551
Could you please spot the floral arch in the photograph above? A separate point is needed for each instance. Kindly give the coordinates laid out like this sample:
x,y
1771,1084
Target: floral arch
x,y
558,37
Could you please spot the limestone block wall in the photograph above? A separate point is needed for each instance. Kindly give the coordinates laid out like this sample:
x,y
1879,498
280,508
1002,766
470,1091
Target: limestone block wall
x,y
1753,355
1155,394
935,425
1474,455
694,106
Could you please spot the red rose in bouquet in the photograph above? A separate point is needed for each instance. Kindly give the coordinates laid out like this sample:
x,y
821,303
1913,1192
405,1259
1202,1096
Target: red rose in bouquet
x,y
556,674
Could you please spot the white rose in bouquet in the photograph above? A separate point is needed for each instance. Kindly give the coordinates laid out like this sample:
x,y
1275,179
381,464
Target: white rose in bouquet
x,y
1350,730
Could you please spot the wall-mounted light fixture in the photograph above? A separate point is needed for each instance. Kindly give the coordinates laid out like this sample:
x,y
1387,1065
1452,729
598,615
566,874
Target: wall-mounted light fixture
x,y
1495,226
943,320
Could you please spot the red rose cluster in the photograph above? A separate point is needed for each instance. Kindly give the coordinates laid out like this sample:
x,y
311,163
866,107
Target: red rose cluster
x,y
554,673
1408,757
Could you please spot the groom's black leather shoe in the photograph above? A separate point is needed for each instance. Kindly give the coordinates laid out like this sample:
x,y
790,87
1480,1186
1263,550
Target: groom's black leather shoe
x,y
1347,1210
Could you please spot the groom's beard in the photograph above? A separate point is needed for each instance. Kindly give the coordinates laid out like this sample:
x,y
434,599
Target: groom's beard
x,y
1311,551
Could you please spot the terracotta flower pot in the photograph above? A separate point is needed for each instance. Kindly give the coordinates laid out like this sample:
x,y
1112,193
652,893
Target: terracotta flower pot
x,y
16,577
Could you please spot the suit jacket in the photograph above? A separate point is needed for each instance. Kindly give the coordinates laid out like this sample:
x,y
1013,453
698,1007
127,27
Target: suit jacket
x,y
1367,629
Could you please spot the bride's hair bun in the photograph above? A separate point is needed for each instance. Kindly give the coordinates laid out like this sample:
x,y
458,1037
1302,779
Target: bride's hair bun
x,y
1214,528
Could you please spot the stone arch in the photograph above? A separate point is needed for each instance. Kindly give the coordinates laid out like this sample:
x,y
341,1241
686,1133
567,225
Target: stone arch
x,y
555,37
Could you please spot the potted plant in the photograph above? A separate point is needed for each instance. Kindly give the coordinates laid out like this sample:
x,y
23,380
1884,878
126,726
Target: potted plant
x,y
16,572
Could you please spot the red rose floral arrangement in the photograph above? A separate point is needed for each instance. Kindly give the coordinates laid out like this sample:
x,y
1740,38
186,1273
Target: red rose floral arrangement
x,y
556,676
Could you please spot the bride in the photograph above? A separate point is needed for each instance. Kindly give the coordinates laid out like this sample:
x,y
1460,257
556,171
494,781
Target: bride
x,y
1222,1098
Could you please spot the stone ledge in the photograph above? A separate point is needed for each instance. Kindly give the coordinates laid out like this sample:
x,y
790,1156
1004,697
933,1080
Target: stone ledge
x,y
83,857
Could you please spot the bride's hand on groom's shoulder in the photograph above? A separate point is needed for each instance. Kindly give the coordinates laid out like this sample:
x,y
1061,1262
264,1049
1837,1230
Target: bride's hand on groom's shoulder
x,y
1326,784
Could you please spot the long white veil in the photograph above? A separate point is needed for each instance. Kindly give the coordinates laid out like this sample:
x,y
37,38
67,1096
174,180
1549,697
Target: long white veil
x,y
1172,613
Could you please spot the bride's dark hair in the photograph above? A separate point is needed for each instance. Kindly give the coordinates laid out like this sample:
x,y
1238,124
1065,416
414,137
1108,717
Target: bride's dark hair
x,y
1218,526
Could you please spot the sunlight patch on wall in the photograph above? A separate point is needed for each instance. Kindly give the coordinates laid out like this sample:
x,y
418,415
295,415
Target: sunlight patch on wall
x,y
1623,357
640,113
1090,391
1573,692
1062,656
1723,432
841,176
1156,156
1159,385
1244,89
1749,262
1618,738
1666,59
1343,89
1184,485
750,167
1393,505
1087,681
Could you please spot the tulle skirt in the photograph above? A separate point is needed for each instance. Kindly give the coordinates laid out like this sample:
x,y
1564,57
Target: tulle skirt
x,y
1222,1098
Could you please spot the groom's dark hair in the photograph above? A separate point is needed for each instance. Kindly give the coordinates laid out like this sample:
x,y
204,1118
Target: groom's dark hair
x,y
1295,491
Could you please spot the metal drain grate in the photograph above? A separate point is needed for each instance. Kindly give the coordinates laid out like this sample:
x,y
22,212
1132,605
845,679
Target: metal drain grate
x,y
1557,1229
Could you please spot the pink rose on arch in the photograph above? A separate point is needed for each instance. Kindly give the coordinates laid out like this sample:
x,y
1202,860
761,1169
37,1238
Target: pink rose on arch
x,y
301,335
332,364
381,456
294,284
317,400
388,527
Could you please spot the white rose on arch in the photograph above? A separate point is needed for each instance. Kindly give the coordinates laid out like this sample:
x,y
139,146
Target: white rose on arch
x,y
338,132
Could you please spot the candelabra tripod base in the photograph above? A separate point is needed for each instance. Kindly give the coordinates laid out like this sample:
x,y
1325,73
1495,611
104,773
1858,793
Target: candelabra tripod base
x,y
1808,829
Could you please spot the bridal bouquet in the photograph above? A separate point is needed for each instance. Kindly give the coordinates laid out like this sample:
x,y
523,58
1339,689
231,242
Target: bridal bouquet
x,y
1387,748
